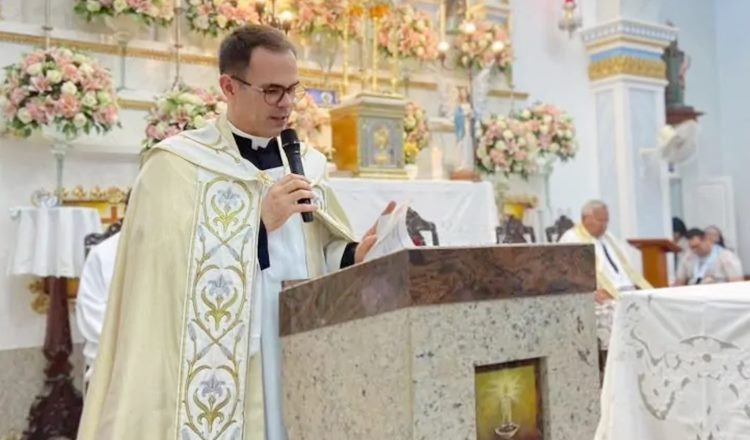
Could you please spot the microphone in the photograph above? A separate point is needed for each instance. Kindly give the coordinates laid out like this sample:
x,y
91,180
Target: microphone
x,y
290,144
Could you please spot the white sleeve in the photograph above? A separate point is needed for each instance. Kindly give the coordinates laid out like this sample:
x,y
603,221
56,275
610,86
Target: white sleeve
x,y
91,302
569,237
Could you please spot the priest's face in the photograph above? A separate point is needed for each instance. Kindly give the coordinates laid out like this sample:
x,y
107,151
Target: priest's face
x,y
596,223
259,101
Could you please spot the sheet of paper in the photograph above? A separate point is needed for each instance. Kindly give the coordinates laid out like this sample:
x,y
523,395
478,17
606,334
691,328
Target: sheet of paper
x,y
392,233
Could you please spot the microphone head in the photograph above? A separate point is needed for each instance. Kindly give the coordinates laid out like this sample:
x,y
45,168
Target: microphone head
x,y
288,136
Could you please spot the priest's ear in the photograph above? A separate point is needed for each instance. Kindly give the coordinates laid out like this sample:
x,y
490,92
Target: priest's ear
x,y
229,87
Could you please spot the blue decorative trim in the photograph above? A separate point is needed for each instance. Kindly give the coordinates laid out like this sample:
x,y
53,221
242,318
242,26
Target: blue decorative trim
x,y
625,51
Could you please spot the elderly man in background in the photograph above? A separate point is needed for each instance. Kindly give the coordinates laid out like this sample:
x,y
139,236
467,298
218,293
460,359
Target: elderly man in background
x,y
614,274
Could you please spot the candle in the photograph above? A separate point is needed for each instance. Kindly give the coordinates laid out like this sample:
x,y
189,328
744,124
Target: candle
x,y
442,20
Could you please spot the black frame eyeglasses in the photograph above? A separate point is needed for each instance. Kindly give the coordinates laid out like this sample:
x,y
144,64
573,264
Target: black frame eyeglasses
x,y
274,94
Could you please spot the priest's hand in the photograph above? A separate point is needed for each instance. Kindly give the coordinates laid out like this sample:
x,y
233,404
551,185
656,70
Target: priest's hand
x,y
371,237
602,296
282,201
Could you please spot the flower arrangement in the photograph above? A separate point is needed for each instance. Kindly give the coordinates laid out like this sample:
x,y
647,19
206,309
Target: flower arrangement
x,y
554,129
416,132
508,146
406,33
321,16
488,45
307,118
213,17
148,11
181,108
61,88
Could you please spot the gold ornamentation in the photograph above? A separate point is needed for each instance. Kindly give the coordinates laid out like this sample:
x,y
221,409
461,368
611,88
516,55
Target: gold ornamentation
x,y
626,65
40,303
381,140
313,78
113,195
620,41
217,317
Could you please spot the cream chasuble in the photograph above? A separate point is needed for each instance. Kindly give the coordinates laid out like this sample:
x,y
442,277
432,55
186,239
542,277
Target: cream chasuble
x,y
604,279
180,353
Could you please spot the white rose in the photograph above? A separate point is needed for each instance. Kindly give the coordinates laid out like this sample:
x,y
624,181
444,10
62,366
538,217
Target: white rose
x,y
23,115
79,120
507,134
554,147
420,51
54,76
188,108
547,119
80,59
67,53
544,129
199,121
93,6
569,134
85,69
526,114
222,21
34,69
500,145
522,142
161,129
104,98
89,99
532,140
119,5
410,122
221,107
3,102
68,88
153,11
192,99
201,22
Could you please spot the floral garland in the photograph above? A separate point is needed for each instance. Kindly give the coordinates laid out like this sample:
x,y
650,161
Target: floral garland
x,y
307,119
475,49
181,108
406,33
554,129
416,132
212,17
508,146
61,88
148,11
320,16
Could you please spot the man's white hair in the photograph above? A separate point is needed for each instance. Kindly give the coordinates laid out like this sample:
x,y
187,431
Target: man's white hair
x,y
592,206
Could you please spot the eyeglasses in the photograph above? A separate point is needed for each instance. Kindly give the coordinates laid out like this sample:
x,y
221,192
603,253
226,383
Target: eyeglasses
x,y
273,95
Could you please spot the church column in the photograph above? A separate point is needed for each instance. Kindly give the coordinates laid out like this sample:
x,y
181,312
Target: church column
x,y
628,78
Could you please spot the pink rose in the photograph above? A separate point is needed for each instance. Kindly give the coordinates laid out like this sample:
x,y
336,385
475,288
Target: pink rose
x,y
18,95
41,84
68,106
70,73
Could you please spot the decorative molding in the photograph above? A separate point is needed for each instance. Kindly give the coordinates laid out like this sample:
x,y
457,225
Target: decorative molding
x,y
658,34
135,104
625,65
311,77
113,194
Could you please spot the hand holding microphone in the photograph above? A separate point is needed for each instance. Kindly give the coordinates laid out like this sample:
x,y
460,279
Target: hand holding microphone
x,y
293,193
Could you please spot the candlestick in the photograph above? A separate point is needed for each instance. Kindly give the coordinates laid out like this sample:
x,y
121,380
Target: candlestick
x,y
442,21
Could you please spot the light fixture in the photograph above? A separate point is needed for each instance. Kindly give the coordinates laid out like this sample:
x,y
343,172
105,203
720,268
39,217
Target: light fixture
x,y
571,17
286,19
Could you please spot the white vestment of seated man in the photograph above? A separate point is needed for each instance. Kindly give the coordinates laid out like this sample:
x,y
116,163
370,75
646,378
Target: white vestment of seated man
x,y
614,274
91,302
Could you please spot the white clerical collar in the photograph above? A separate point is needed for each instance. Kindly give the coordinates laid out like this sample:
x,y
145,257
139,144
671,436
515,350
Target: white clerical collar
x,y
257,141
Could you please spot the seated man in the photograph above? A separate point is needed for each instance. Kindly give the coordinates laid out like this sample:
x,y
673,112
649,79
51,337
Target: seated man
x,y
91,302
707,262
613,272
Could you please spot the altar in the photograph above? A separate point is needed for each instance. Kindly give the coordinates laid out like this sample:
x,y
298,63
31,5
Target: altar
x,y
678,365
464,213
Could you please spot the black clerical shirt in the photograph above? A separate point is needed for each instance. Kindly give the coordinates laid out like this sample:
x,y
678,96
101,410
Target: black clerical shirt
x,y
264,159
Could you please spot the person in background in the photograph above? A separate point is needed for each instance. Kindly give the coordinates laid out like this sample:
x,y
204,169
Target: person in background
x,y
678,237
707,262
714,234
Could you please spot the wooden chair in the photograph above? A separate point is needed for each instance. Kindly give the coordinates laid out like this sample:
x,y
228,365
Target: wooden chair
x,y
513,231
416,225
556,231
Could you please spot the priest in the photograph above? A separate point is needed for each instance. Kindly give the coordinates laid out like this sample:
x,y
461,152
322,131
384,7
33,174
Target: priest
x,y
614,274
190,346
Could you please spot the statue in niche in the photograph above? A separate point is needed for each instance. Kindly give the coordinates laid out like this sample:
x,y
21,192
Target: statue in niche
x,y
462,123
455,12
677,65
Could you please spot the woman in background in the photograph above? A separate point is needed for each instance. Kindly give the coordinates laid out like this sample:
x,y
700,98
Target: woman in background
x,y
714,234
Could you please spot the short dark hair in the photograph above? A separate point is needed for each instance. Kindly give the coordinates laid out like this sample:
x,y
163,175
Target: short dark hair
x,y
237,47
695,232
